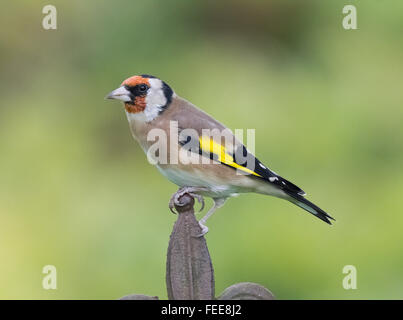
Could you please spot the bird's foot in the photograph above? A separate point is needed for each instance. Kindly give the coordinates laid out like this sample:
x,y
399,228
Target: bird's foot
x,y
204,229
190,191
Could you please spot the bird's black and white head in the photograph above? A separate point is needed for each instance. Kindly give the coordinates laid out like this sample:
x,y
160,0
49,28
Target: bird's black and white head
x,y
145,97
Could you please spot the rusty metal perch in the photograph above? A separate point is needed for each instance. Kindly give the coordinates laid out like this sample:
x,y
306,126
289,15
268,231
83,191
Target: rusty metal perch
x,y
189,271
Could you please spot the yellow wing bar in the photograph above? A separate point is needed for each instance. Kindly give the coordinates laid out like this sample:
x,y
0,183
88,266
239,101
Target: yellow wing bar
x,y
208,145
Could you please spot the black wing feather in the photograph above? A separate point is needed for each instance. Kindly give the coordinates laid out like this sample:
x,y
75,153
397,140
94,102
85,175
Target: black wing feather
x,y
268,175
252,163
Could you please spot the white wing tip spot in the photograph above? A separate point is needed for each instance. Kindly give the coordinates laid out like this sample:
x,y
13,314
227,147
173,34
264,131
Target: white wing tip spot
x,y
272,179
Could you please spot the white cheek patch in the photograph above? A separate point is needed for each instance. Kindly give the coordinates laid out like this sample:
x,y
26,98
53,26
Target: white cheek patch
x,y
155,99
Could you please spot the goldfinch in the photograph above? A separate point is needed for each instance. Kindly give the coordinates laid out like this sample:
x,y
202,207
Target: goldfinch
x,y
202,165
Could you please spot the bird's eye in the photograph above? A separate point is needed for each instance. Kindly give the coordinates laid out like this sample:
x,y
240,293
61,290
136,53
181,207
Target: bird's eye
x,y
142,87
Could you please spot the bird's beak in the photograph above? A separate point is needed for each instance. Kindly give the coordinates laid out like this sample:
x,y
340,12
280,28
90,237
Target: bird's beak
x,y
120,93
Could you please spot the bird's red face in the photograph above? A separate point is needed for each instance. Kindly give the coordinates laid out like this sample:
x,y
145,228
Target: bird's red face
x,y
138,86
143,94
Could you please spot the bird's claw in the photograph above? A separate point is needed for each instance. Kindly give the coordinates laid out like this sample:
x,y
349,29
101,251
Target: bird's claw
x,y
204,230
175,198
200,199
171,204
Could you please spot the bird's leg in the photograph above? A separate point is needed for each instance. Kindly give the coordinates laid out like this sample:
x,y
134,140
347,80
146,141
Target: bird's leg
x,y
189,190
218,203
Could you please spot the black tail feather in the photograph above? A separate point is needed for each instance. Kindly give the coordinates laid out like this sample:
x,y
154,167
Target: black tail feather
x,y
305,204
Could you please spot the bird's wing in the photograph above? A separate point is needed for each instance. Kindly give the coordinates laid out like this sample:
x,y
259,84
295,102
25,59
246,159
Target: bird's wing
x,y
226,148
243,161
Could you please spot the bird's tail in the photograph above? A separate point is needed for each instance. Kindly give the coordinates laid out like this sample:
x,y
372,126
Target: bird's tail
x,y
303,203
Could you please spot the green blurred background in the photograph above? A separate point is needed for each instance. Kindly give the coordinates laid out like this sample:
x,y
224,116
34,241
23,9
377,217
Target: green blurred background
x,y
77,192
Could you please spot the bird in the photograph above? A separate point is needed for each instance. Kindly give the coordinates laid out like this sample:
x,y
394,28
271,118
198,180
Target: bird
x,y
201,164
